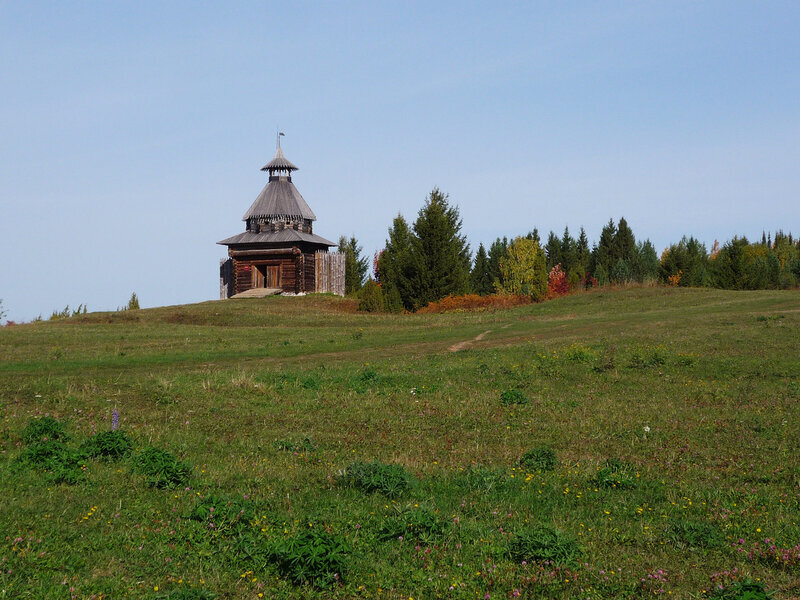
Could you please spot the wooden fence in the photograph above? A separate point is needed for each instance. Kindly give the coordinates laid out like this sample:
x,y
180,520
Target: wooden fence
x,y
330,272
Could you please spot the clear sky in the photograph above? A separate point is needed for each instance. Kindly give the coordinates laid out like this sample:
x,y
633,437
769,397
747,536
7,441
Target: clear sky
x,y
133,133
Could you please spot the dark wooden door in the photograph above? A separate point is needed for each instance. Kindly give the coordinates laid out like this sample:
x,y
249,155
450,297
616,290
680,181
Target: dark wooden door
x,y
258,276
273,277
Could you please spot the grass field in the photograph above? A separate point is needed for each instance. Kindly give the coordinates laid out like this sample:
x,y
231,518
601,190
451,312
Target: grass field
x,y
293,448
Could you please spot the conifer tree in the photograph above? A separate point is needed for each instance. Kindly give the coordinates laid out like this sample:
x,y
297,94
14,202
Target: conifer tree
x,y
534,235
497,251
395,266
553,250
481,278
569,252
603,254
624,242
583,254
441,257
355,265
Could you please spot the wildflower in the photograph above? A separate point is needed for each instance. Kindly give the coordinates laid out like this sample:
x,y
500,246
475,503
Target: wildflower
x,y
115,419
647,429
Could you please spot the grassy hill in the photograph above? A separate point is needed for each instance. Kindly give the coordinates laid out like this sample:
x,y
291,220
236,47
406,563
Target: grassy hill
x,y
348,455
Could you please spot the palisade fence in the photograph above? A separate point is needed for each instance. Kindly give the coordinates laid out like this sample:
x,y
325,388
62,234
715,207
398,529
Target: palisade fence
x,y
329,268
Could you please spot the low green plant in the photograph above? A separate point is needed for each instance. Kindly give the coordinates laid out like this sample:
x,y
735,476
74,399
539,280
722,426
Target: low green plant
x,y
161,469
368,375
418,523
187,593
289,445
480,478
60,462
542,543
109,445
542,458
312,556
511,397
389,480
44,429
644,359
742,590
224,514
695,534
615,474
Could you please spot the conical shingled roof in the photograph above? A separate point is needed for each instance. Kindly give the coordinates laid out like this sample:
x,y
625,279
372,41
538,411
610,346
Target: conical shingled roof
x,y
279,163
280,200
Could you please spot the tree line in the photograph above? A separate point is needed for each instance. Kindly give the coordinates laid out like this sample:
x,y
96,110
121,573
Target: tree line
x,y
431,259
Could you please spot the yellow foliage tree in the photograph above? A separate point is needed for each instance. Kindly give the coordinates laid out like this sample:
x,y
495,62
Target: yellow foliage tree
x,y
524,270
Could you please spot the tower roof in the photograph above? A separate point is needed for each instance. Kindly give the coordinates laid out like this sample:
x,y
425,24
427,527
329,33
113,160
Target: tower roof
x,y
280,199
279,162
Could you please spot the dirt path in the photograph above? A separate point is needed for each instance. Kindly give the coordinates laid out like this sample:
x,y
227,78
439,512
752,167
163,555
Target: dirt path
x,y
466,343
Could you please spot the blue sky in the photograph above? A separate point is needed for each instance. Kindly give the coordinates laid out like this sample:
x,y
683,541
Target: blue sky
x,y
133,133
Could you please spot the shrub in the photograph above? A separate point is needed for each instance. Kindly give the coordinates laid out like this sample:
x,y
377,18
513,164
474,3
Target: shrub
x,y
542,543
615,474
44,429
511,397
476,302
62,463
161,468
542,458
390,480
111,445
557,282
314,556
370,297
419,524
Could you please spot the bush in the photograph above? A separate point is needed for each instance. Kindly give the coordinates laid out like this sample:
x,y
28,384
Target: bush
x,y
161,468
542,458
62,463
615,474
43,430
370,297
419,524
312,556
475,302
542,543
511,397
111,445
389,480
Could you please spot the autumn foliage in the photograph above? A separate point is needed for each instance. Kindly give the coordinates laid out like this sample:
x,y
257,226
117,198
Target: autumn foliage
x,y
557,282
476,302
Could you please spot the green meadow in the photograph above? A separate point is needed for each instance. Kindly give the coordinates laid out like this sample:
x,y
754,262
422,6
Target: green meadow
x,y
612,444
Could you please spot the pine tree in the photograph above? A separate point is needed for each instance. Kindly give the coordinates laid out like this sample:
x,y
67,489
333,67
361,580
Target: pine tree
x,y
534,235
481,278
441,254
553,250
355,265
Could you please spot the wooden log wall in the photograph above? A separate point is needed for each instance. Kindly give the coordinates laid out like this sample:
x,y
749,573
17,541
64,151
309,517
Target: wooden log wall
x,y
330,272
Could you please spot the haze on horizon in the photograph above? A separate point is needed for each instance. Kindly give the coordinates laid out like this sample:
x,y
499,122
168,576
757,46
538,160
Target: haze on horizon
x,y
134,132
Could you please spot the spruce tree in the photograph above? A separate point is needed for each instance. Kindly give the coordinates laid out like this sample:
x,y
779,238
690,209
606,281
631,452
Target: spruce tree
x,y
395,268
569,252
481,278
603,254
441,257
497,251
583,254
553,250
624,242
355,265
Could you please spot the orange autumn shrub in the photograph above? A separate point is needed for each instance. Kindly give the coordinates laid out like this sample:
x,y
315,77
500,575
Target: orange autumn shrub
x,y
475,302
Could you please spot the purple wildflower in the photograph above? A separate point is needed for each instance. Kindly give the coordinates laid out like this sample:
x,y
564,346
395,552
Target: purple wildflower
x,y
115,419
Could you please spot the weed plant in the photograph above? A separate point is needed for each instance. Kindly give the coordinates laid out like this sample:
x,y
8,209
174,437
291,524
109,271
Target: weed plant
x,y
161,468
511,397
312,556
108,445
44,429
544,544
390,480
542,458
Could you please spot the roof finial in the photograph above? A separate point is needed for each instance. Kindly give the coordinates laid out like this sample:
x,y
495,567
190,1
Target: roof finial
x,y
278,136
